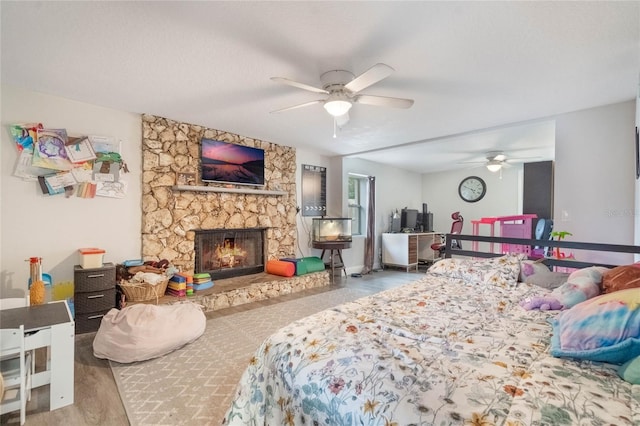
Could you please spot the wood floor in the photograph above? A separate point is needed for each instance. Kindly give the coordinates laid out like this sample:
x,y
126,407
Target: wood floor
x,y
97,401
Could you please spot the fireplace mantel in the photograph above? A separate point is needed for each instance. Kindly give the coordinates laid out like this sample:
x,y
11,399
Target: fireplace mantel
x,y
223,189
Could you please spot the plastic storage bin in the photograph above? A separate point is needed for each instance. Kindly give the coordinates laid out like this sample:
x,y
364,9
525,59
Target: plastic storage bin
x,y
91,258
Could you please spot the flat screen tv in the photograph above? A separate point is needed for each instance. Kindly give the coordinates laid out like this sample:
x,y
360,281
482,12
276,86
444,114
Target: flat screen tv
x,y
231,163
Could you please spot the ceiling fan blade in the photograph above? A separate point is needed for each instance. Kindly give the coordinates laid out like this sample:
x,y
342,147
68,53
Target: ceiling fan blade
x,y
371,76
318,101
299,85
383,101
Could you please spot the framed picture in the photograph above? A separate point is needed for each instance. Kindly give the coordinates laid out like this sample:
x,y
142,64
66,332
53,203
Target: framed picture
x,y
185,178
637,155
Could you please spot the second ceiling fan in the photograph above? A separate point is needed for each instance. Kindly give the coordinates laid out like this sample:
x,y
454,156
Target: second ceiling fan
x,y
343,90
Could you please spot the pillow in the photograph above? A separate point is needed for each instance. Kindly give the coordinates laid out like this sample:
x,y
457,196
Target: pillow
x,y
281,267
537,273
630,371
605,328
446,267
531,267
581,285
501,271
620,278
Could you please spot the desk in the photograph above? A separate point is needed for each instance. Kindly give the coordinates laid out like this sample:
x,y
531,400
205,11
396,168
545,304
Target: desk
x,y
49,325
408,249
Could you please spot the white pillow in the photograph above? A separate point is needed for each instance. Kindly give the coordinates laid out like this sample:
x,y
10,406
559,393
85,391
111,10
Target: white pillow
x,y
501,271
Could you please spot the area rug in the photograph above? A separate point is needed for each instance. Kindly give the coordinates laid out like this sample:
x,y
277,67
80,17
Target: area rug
x,y
195,384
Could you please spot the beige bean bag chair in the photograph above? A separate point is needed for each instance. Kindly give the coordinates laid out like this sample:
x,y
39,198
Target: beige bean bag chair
x,y
140,332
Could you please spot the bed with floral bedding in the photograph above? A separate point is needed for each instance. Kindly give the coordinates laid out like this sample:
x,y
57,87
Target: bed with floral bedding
x,y
453,348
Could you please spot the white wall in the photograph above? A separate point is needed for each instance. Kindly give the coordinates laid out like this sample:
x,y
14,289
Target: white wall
x,y
55,227
395,189
503,197
594,184
595,175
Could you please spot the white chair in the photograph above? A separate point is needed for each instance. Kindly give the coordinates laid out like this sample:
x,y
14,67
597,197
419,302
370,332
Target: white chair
x,y
19,302
16,372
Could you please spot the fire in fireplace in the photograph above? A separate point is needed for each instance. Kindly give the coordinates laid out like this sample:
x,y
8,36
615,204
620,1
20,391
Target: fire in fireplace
x,y
226,253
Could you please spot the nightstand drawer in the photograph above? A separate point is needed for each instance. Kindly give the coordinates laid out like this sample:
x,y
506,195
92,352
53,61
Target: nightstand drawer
x,y
89,280
94,301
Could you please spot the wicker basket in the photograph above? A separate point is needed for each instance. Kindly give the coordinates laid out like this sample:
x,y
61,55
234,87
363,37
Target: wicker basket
x,y
140,292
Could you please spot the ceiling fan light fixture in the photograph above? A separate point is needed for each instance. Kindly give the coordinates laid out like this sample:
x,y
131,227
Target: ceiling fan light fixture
x,y
337,107
494,165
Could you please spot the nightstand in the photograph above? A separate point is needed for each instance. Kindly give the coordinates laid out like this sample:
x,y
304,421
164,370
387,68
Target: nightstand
x,y
94,295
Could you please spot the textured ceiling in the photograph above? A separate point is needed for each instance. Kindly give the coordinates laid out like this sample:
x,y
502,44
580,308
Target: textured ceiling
x,y
473,68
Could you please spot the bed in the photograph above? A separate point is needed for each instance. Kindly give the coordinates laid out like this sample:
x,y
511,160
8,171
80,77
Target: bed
x,y
453,348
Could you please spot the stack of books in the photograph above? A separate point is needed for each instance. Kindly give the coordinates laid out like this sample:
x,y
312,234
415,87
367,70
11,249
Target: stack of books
x,y
177,286
202,281
189,285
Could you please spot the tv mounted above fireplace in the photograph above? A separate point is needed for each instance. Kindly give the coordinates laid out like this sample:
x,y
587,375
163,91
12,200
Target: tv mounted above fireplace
x,y
226,162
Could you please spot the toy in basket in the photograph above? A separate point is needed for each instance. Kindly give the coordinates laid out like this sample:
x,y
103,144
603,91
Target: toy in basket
x,y
144,286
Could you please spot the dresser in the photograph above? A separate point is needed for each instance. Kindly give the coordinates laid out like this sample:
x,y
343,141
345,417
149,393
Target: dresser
x,y
94,295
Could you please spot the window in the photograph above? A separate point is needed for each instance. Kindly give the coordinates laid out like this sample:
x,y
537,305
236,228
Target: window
x,y
357,204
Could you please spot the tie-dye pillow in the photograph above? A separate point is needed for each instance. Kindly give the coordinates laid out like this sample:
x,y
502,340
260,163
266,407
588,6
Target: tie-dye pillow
x,y
605,328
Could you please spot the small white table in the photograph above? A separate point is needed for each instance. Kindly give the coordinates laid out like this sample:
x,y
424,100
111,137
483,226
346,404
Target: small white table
x,y
50,325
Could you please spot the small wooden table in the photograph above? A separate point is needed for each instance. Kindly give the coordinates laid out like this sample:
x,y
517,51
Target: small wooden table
x,y
334,247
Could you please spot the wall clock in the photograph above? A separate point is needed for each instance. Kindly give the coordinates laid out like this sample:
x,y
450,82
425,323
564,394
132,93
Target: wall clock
x,y
472,189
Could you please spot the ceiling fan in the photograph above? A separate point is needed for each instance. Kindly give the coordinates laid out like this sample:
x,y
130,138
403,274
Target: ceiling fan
x,y
343,89
496,160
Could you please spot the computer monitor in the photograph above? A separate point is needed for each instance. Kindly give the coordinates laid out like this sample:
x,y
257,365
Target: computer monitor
x,y
409,220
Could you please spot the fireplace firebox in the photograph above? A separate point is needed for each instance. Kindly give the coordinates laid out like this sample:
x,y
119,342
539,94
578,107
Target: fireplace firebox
x,y
226,253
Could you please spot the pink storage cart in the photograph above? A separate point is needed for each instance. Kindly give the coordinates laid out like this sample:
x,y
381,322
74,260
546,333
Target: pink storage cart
x,y
518,226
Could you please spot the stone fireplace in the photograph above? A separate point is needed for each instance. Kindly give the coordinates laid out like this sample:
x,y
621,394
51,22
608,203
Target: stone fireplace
x,y
171,215
226,253
176,219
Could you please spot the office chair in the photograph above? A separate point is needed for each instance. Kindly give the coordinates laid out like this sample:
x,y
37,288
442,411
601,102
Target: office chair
x,y
543,232
456,228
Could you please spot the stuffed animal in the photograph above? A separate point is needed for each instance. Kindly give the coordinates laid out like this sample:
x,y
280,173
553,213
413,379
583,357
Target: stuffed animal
x,y
544,303
581,285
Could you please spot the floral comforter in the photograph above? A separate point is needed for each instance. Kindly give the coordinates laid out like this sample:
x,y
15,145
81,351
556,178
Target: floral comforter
x,y
434,352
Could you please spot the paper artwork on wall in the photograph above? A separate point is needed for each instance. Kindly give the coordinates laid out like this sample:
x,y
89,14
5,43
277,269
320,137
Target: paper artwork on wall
x,y
24,135
86,190
49,151
111,189
104,144
58,183
24,168
88,166
80,150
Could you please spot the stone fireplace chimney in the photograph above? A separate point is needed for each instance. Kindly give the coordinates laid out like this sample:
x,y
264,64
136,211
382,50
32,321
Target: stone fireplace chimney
x,y
171,215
